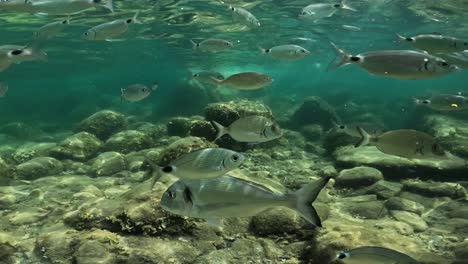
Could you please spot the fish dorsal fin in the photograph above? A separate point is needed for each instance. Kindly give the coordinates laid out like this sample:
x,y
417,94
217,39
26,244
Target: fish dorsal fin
x,y
254,184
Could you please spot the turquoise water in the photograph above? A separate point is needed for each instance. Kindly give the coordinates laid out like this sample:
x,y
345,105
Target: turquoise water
x,y
80,77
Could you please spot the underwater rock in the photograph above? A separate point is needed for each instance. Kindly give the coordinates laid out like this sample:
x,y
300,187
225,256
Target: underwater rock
x,y
180,147
9,248
179,126
334,139
312,132
411,219
20,130
384,189
81,146
103,124
128,141
278,221
452,133
155,131
401,204
32,150
394,167
6,172
39,167
461,252
435,189
314,110
57,245
226,113
358,177
366,210
202,128
109,163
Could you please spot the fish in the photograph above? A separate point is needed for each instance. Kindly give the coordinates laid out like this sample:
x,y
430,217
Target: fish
x,y
227,196
3,89
10,54
406,143
435,43
245,81
109,30
212,45
322,10
286,52
374,255
200,164
351,128
48,31
57,7
207,77
136,92
16,6
351,28
398,64
457,58
251,129
444,102
244,17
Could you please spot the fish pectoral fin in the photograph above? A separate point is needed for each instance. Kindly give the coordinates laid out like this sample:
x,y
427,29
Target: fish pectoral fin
x,y
215,222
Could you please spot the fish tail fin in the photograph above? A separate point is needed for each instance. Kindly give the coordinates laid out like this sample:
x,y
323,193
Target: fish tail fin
x,y
135,19
401,39
194,44
365,137
220,129
342,58
344,5
159,171
154,86
304,198
110,5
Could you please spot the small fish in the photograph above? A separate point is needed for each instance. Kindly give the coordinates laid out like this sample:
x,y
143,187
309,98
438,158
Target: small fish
x,y
50,30
17,54
398,64
405,143
374,255
435,43
457,58
57,7
212,45
244,17
351,28
322,10
252,129
200,164
286,52
207,77
444,102
351,128
136,92
227,196
245,81
111,29
3,89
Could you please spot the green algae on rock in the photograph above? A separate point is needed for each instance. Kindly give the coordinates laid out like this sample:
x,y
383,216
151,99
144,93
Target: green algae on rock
x,y
103,124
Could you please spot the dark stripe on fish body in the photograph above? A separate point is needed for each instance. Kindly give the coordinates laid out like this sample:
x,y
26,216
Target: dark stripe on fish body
x,y
426,64
188,196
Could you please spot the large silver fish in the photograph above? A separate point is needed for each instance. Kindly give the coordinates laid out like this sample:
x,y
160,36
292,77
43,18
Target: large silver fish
x,y
244,17
109,30
203,163
435,43
252,129
405,143
68,6
374,255
227,196
245,81
399,64
444,102
322,10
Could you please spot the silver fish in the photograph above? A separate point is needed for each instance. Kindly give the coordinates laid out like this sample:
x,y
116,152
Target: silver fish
x,y
200,164
50,30
207,77
458,58
405,143
227,196
16,6
399,64
374,255
111,29
244,17
136,92
3,89
435,43
212,45
444,102
286,52
10,54
68,6
245,81
322,10
252,129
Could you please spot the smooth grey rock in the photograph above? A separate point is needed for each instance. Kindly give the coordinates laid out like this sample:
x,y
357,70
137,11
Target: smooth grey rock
x,y
128,141
435,189
103,124
81,146
367,210
412,219
401,204
385,189
39,167
358,177
109,163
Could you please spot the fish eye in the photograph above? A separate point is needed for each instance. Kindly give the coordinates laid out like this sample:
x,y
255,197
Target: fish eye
x,y
233,9
86,33
304,13
226,44
425,102
443,64
17,52
65,22
337,5
196,75
303,51
143,89
171,194
342,127
342,255
235,157
129,21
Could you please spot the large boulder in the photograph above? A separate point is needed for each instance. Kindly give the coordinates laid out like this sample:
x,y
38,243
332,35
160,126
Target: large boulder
x,y
358,177
81,146
128,141
179,148
29,151
227,112
451,132
103,124
314,110
39,167
109,163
